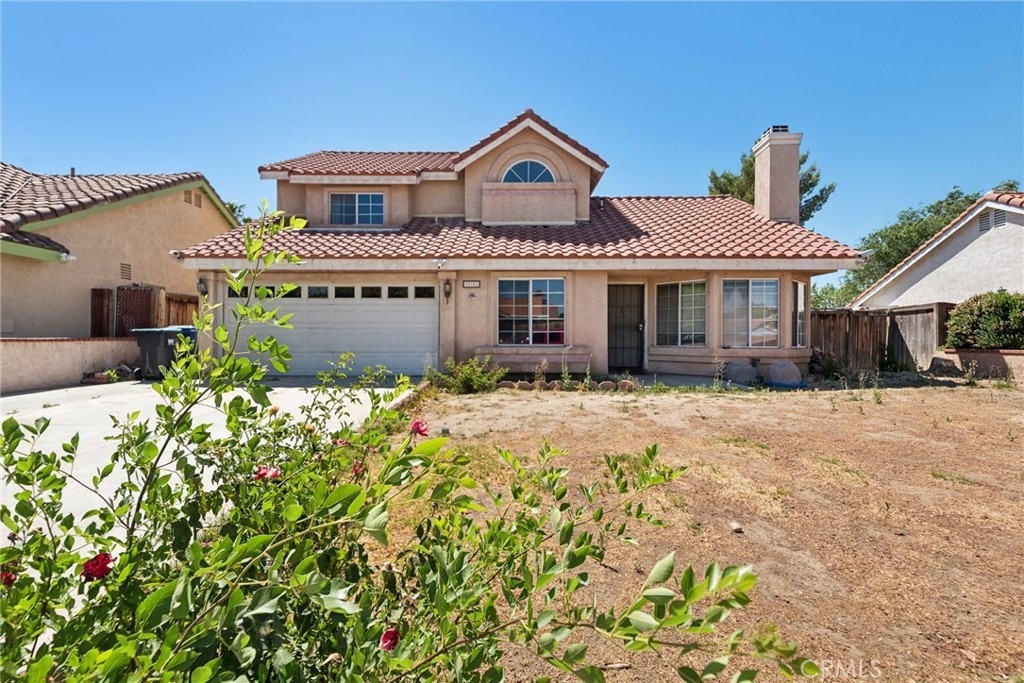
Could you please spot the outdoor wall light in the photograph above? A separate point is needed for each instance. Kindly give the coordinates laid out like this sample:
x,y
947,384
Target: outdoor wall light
x,y
447,289
202,288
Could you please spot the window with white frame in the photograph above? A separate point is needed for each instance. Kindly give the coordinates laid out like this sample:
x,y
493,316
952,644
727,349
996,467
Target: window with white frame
x,y
528,171
682,314
750,313
799,314
362,208
531,311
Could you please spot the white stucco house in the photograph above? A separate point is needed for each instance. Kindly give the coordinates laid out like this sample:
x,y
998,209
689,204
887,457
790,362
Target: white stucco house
x,y
982,250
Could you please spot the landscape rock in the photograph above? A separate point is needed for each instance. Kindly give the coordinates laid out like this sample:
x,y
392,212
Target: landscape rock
x,y
607,385
785,373
736,528
523,385
626,385
506,384
555,385
740,372
540,385
593,385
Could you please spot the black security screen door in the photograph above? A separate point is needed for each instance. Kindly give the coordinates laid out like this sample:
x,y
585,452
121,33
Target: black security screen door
x,y
626,327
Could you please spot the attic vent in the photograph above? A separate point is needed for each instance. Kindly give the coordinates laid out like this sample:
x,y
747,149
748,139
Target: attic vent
x,y
188,196
126,271
197,199
984,221
998,218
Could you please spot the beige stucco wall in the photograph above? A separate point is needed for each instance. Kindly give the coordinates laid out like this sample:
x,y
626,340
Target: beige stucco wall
x,y
397,202
527,145
32,364
291,198
439,198
47,299
967,263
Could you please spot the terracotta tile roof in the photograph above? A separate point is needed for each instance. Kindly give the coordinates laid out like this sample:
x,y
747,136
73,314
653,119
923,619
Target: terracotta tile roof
x,y
365,163
407,163
1009,198
27,197
1015,199
33,239
530,114
620,227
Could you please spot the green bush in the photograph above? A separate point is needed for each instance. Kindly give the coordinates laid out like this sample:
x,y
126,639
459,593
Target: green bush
x,y
473,376
993,320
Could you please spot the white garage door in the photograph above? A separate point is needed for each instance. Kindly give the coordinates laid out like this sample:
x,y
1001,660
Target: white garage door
x,y
395,325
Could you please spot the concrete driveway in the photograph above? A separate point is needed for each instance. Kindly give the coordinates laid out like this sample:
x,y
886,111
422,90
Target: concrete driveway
x,y
87,410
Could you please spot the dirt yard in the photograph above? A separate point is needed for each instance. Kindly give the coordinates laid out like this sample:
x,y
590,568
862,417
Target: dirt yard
x,y
885,526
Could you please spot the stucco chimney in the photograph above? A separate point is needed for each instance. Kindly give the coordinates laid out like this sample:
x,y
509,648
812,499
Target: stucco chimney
x,y
777,175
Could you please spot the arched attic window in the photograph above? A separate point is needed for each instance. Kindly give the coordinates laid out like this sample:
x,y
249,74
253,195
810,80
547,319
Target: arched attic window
x,y
528,171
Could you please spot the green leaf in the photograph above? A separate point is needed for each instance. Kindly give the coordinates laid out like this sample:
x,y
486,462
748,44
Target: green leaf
x,y
341,497
545,617
264,601
495,674
744,676
201,674
155,607
659,596
39,670
590,674
805,667
574,654
714,668
376,522
642,621
689,675
292,512
662,570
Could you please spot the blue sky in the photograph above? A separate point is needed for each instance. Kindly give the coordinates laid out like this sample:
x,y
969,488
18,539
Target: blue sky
x,y
897,102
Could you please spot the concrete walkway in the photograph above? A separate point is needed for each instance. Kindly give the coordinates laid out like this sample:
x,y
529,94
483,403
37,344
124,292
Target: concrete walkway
x,y
87,410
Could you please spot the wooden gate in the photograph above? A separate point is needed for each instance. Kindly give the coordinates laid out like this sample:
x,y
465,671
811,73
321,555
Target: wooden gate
x,y
181,309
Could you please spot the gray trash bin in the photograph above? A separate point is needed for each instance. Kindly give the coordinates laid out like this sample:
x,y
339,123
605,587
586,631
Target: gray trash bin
x,y
157,345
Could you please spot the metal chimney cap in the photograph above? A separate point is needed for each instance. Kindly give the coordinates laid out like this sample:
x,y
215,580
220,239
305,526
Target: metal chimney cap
x,y
774,129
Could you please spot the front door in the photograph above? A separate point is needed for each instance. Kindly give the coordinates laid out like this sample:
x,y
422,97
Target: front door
x,y
626,327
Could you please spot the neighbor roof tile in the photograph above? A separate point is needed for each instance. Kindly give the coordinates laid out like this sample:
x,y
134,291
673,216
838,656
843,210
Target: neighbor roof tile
x,y
365,163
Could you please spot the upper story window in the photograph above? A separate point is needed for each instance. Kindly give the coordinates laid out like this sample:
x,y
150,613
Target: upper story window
x,y
528,172
363,208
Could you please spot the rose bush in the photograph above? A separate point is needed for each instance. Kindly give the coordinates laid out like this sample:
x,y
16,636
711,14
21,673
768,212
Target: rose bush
x,y
262,549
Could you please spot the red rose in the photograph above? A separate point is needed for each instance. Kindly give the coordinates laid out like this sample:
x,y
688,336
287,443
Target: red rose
x,y
266,473
98,567
389,639
418,427
7,578
358,469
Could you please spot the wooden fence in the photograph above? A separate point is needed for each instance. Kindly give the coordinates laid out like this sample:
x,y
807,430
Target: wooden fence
x,y
893,338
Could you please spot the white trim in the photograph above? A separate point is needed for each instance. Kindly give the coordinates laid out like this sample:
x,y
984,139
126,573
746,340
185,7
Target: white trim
x,y
426,264
541,130
499,223
947,232
776,139
274,175
439,175
354,180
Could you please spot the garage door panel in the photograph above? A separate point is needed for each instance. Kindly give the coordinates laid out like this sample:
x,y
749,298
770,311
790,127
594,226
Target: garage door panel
x,y
401,334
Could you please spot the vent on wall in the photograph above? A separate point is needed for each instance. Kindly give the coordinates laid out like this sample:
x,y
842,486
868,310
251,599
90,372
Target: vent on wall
x,y
126,271
197,199
984,221
998,218
188,196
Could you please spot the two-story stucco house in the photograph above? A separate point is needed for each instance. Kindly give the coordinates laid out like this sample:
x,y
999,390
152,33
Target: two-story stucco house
x,y
504,249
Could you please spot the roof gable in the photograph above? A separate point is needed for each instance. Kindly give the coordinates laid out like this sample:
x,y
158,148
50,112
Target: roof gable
x,y
529,119
1012,200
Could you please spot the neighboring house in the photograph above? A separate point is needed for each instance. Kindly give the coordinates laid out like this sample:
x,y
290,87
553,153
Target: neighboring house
x,y
503,249
78,251
982,250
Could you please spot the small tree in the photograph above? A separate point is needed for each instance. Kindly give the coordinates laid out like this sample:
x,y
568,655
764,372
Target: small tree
x,y
741,185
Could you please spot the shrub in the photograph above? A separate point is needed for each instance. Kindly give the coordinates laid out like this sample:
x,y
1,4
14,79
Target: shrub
x,y
993,320
267,551
824,364
473,376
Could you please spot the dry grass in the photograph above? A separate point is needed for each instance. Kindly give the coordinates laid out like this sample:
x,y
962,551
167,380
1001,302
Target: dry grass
x,y
888,529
